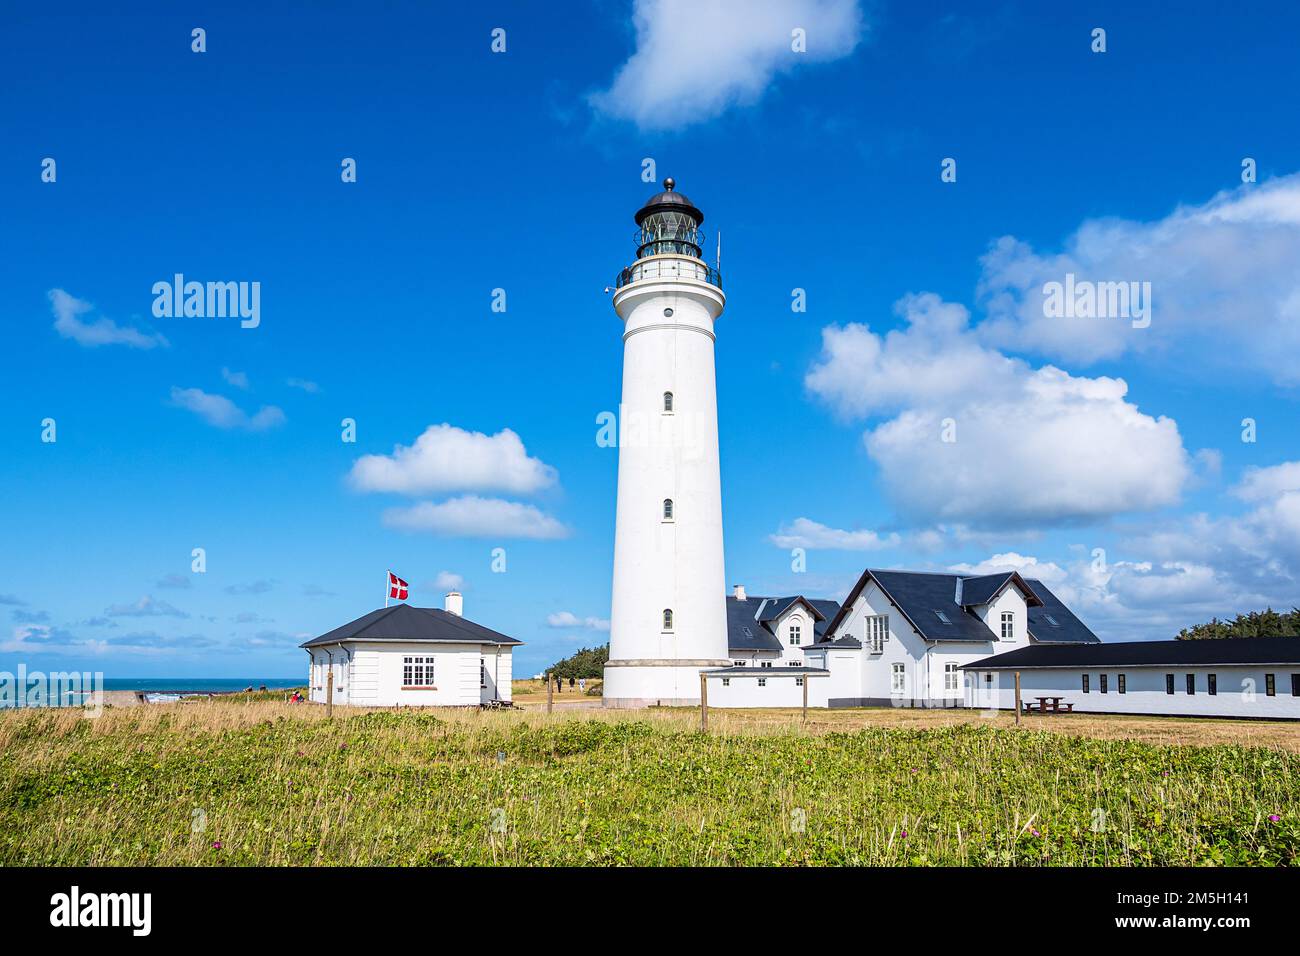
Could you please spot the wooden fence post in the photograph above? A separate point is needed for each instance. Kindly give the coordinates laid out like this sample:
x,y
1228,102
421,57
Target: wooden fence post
x,y
549,691
1017,698
329,692
805,698
704,702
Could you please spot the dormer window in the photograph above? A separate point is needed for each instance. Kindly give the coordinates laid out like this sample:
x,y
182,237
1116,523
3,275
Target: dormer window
x,y
668,619
668,403
1051,620
1008,625
943,617
668,509
796,634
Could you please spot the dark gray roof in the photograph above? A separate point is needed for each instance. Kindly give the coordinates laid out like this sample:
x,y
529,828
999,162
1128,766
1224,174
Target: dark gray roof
x,y
847,641
1054,623
922,596
1241,650
749,622
776,670
402,622
669,201
983,588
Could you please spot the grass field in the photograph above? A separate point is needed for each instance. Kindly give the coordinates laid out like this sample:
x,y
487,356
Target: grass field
x,y
229,782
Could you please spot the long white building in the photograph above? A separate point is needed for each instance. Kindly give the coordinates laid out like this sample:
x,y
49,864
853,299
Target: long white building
x,y
921,639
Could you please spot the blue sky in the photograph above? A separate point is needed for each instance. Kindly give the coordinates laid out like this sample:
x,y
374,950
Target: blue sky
x,y
520,171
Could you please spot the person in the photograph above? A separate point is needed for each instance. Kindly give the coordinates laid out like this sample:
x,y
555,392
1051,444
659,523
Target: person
x,y
582,684
570,683
559,685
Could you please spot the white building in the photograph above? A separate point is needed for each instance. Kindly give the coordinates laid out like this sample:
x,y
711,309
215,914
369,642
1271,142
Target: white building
x,y
412,657
1255,677
667,615
920,639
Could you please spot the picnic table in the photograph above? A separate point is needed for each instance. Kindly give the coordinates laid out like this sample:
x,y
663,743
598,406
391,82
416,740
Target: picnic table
x,y
1043,707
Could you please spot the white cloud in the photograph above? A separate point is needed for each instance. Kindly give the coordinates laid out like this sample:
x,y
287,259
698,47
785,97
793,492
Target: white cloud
x,y
446,458
567,619
447,581
145,607
223,413
470,516
1031,445
1225,285
1263,484
806,533
67,323
696,58
307,386
1029,567
237,379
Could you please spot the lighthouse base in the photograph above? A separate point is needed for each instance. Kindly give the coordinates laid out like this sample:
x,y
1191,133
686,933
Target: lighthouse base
x,y
631,684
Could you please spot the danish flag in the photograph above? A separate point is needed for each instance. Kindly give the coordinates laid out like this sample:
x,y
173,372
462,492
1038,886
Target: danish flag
x,y
397,588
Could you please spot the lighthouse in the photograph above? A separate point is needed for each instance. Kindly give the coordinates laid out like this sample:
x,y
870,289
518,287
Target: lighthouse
x,y
668,610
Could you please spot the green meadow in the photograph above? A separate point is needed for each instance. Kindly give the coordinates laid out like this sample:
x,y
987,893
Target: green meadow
x,y
261,782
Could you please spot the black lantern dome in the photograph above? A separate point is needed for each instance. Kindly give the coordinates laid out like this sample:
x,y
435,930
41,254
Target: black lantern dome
x,y
670,224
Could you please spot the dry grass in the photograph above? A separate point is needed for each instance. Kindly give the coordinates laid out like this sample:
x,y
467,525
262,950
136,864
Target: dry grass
x,y
280,784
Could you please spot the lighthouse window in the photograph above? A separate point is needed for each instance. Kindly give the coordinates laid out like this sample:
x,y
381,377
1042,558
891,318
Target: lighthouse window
x,y
668,401
668,509
668,619
668,313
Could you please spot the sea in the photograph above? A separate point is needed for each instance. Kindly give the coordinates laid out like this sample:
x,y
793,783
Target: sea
x,y
156,689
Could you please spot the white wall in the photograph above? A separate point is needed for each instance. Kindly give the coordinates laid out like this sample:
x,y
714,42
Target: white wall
x,y
779,692
1145,693
376,674
659,564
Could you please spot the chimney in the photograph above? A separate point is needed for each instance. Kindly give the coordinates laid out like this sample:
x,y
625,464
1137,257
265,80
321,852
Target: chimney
x,y
739,591
454,603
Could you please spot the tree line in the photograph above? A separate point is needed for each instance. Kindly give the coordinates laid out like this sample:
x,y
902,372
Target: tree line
x,y
1266,623
588,662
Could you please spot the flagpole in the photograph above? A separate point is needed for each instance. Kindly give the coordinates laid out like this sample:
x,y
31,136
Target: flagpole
x,y
386,574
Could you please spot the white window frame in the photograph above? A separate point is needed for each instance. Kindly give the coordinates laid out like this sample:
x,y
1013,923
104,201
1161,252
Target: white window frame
x,y
418,671
795,632
898,679
667,620
670,510
482,673
670,403
1008,625
950,676
762,682
876,632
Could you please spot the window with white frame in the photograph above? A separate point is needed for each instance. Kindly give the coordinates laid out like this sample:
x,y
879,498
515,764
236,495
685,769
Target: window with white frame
x,y
950,677
740,663
798,682
417,671
877,632
668,401
898,679
766,664
762,682
796,632
668,509
482,673
726,682
1008,625
668,619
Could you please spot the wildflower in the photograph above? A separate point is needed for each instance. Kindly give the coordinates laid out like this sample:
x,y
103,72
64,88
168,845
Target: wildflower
x,y
1034,832
1273,818
216,844
904,834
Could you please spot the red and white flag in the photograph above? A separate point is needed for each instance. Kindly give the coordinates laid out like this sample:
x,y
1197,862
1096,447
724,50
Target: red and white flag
x,y
397,588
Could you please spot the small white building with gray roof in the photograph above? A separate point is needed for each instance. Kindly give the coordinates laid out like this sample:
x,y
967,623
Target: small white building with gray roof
x,y
405,656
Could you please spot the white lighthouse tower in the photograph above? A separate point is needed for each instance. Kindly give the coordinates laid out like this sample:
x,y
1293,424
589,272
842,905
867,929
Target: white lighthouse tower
x,y
668,614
